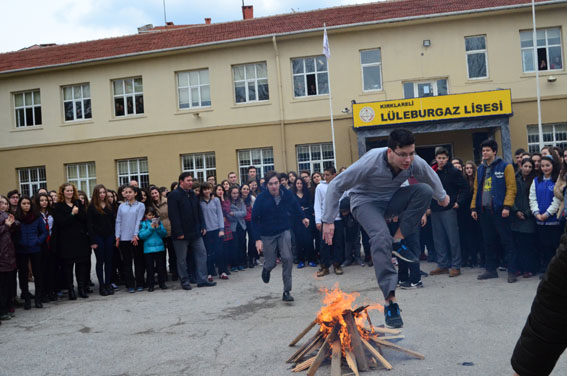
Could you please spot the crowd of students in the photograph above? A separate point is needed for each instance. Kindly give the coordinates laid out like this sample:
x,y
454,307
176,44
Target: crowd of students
x,y
500,216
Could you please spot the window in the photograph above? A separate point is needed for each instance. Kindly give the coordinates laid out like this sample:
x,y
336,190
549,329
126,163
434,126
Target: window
x,y
32,179
250,82
128,96
194,89
133,169
371,62
201,165
82,175
477,62
27,106
262,159
553,135
425,88
315,158
548,50
77,102
310,76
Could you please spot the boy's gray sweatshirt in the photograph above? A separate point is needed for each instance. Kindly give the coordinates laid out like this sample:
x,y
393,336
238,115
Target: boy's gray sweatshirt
x,y
371,179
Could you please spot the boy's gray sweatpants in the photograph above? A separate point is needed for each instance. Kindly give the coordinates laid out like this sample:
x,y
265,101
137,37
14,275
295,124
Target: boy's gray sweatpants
x,y
409,204
270,245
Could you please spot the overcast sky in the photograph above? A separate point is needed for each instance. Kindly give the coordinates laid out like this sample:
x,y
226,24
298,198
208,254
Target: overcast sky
x,y
27,22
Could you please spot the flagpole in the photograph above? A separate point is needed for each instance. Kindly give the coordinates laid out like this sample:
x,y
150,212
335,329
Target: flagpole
x,y
327,53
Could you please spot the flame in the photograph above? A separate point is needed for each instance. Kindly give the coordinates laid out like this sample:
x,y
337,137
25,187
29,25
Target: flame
x,y
336,302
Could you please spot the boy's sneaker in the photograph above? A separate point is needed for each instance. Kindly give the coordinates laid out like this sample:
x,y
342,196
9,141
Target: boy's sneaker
x,y
392,316
407,285
487,275
401,251
301,265
312,264
265,275
131,290
400,283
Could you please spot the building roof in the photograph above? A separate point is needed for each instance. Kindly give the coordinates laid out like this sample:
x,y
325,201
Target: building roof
x,y
180,38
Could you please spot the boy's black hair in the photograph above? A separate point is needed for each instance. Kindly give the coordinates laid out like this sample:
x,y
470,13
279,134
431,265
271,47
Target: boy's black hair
x,y
400,138
441,150
490,143
184,175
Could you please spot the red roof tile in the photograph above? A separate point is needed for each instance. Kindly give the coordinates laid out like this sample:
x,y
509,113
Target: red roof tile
x,y
257,27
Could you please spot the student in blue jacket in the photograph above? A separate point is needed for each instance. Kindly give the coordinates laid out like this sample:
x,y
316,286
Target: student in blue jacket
x,y
152,233
30,237
272,213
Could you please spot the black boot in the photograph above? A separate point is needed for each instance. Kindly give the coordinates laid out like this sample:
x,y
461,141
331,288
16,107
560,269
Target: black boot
x,y
103,291
38,303
27,300
72,295
109,290
83,293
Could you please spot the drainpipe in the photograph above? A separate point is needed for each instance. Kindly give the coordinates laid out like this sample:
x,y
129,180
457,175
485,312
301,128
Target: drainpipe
x,y
280,94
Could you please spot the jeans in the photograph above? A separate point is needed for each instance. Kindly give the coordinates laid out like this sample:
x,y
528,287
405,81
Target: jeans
x,y
199,255
446,238
352,242
7,284
34,259
281,242
495,230
528,260
240,255
252,252
548,239
426,240
171,254
131,253
334,253
213,243
159,259
409,204
104,253
304,242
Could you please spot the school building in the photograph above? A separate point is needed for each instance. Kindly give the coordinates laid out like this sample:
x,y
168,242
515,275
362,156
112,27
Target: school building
x,y
218,97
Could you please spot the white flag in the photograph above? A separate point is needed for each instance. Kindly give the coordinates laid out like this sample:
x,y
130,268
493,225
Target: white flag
x,y
326,48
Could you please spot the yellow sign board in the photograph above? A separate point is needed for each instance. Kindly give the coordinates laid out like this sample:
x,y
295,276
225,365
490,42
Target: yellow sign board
x,y
443,107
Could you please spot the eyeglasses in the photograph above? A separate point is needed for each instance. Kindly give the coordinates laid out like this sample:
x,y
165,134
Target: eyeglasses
x,y
404,155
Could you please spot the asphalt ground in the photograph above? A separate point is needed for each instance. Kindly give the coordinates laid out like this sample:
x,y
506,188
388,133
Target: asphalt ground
x,y
242,327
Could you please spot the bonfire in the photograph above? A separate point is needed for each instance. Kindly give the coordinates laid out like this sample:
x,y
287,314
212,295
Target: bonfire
x,y
345,332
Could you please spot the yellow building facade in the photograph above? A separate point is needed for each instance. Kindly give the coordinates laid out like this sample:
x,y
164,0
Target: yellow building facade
x,y
219,107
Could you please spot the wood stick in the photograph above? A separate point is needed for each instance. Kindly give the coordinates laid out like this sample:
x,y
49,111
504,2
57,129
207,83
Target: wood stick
x,y
381,342
336,358
369,321
304,346
401,336
315,345
376,354
355,342
351,361
303,333
323,351
380,329
304,365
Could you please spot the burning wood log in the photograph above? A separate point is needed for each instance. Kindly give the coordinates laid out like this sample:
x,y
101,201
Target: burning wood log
x,y
376,354
355,342
351,361
303,333
336,358
306,348
304,365
381,342
322,354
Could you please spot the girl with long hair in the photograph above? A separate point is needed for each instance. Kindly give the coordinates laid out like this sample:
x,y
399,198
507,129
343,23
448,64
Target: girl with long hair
x,y
159,202
254,190
228,238
73,247
31,235
100,223
248,199
523,221
303,235
49,260
544,206
214,224
238,228
8,227
469,229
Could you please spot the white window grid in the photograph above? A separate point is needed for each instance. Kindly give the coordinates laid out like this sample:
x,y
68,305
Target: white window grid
x,y
315,157
475,47
250,82
32,179
310,76
82,175
133,169
194,89
200,165
371,68
27,108
262,159
548,43
553,135
425,88
128,96
77,102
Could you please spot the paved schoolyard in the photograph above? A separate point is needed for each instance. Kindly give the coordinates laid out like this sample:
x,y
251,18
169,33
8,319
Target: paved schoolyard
x,y
241,327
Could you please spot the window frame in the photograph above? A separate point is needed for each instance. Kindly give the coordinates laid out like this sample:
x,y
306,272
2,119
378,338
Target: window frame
x,y
323,162
304,74
434,83
25,106
124,96
79,181
29,188
546,46
189,88
205,170
532,133
74,101
363,65
144,183
262,168
247,80
475,52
